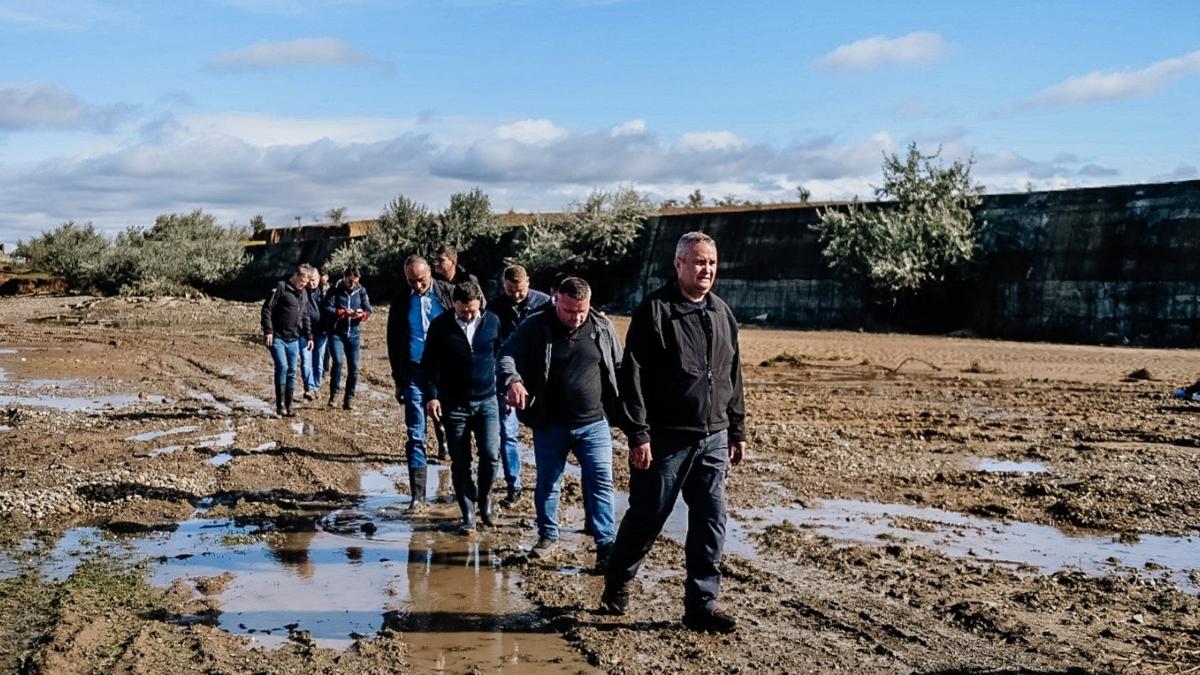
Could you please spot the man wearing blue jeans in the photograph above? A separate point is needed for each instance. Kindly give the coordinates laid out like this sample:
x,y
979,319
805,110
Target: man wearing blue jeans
x,y
312,361
459,374
350,306
286,330
408,322
559,368
511,307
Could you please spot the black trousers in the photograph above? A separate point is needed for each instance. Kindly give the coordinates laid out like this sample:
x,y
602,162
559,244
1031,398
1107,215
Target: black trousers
x,y
696,468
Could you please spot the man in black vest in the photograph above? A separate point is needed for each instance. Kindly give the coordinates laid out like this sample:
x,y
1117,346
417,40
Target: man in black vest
x,y
459,383
681,386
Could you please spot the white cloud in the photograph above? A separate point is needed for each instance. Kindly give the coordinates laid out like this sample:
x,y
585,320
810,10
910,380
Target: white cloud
x,y
534,132
299,53
879,50
703,141
39,105
1181,172
633,127
1112,86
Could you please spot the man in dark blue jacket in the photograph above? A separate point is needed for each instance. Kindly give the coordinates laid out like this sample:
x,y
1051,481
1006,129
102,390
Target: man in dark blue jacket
x,y
458,370
286,331
408,321
349,305
511,307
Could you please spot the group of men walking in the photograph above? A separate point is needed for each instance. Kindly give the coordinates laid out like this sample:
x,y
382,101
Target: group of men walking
x,y
558,365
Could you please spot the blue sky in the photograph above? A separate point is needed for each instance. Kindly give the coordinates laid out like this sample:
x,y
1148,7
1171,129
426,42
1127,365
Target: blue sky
x,y
114,112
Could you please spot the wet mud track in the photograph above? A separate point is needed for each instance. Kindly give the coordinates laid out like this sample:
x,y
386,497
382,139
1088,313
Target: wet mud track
x,y
909,505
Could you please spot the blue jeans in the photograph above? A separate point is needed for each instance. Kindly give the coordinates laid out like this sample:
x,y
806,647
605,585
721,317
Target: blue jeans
x,y
414,418
696,467
480,419
284,353
592,445
312,362
346,348
510,452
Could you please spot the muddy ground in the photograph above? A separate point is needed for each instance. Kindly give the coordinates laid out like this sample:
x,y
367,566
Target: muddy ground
x,y
909,504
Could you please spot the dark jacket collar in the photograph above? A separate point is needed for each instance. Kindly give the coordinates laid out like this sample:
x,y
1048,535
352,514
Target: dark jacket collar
x,y
680,305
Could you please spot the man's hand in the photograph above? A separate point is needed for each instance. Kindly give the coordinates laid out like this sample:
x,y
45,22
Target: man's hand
x,y
434,409
640,456
737,452
270,339
517,395
310,346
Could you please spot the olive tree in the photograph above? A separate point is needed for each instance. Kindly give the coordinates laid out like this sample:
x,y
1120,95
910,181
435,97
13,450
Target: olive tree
x,y
600,230
922,231
74,252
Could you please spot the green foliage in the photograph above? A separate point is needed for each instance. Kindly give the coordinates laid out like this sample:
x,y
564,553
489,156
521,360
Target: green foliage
x,y
598,231
179,253
407,227
73,252
335,215
258,224
926,232
696,199
352,254
803,193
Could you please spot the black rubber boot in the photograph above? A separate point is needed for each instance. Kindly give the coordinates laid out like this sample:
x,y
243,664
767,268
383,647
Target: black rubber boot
x,y
333,394
278,400
439,430
287,402
416,484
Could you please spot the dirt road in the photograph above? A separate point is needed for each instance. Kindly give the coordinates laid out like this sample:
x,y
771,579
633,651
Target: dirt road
x,y
910,504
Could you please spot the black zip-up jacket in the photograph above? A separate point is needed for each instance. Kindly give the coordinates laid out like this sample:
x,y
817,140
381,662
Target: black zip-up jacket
x,y
682,372
397,329
285,313
525,358
455,372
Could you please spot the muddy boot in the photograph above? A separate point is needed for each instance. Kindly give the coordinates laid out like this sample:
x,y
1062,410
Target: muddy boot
x,y
333,394
416,485
287,403
485,507
347,403
468,515
279,400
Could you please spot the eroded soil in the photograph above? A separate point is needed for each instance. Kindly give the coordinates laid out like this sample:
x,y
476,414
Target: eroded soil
x,y
868,531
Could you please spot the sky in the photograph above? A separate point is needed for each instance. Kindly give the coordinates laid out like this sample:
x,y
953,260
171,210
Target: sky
x,y
116,111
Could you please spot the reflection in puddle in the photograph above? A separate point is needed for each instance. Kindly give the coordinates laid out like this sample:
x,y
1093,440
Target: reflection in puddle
x,y
151,435
220,459
322,572
1007,466
81,403
961,536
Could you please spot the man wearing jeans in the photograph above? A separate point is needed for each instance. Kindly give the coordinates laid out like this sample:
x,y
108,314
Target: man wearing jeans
x,y
681,387
408,321
459,373
286,329
349,305
511,307
559,368
312,361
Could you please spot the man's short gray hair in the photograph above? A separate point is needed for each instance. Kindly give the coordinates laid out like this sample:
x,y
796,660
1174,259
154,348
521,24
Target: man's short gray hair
x,y
414,261
687,241
306,270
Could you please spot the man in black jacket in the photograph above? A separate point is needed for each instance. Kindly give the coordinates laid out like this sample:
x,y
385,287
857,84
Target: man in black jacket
x,y
286,328
681,386
459,373
446,267
408,322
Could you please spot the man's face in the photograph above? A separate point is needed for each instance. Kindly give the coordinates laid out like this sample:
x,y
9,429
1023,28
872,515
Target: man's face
x,y
466,311
571,312
516,291
445,266
419,278
351,282
312,281
299,280
324,278
696,269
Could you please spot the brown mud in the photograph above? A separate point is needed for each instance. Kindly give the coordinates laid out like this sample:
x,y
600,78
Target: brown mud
x,y
909,504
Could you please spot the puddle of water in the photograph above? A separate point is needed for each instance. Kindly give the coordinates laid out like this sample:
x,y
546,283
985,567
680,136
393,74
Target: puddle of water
x,y
221,440
269,445
220,459
1007,466
253,403
327,574
81,403
960,536
205,397
151,435
304,428
4,427
7,350
165,450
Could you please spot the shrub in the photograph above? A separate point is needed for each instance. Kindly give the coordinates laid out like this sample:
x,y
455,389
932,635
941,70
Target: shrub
x,y
600,230
76,253
179,253
925,233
